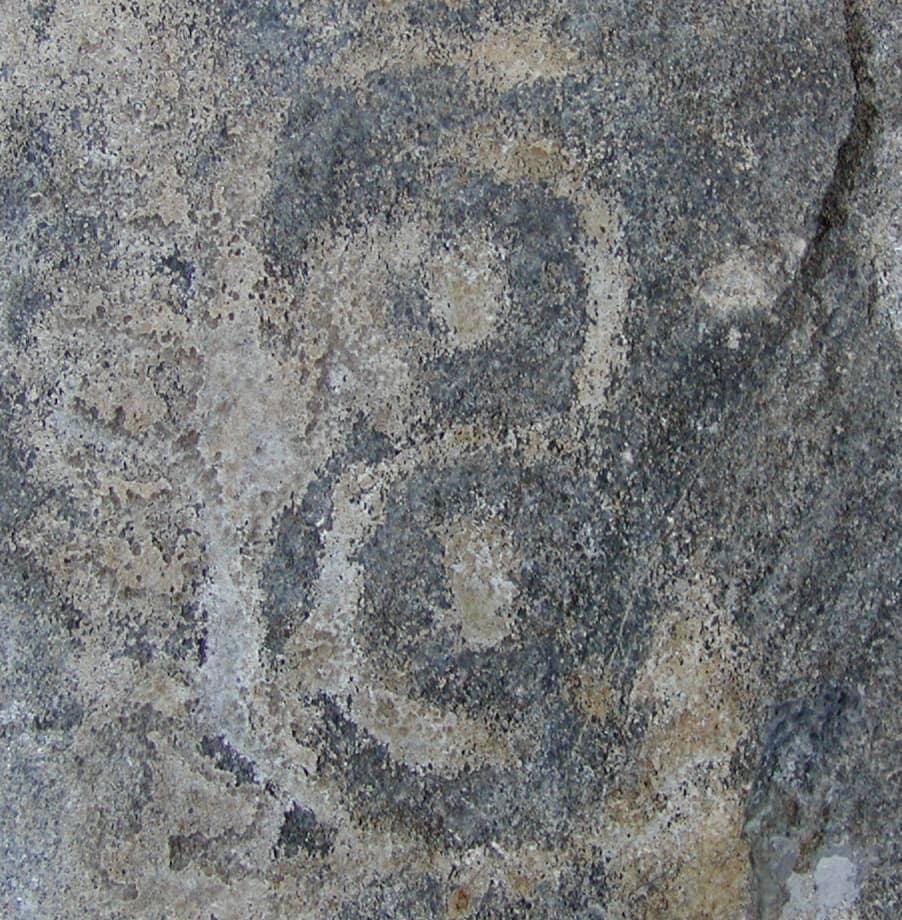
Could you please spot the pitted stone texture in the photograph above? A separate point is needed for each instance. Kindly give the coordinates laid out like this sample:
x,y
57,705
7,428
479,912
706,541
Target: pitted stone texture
x,y
449,459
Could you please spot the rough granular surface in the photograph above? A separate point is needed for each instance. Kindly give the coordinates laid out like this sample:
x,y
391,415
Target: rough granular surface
x,y
450,459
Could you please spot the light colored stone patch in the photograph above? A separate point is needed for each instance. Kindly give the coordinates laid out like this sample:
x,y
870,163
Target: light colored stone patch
x,y
150,512
349,354
268,421
734,338
884,227
508,57
675,822
134,67
341,358
524,156
467,290
604,350
123,396
135,866
828,892
252,412
502,58
745,283
139,564
478,562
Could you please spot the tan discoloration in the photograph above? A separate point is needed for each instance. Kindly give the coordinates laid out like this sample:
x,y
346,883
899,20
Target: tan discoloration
x,y
592,694
505,58
678,818
501,59
467,291
745,283
479,561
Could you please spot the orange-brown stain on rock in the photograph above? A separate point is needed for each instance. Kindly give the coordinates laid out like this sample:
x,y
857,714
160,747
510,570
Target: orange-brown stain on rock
x,y
459,903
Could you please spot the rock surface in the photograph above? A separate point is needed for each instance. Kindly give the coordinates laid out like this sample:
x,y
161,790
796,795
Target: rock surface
x,y
450,459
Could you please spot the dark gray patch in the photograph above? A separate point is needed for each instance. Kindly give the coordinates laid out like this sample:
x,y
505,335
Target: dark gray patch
x,y
39,626
181,272
364,445
683,187
568,599
188,637
440,813
272,47
38,635
62,715
209,149
500,904
25,304
18,495
789,809
342,162
413,896
30,176
301,831
459,19
184,849
338,164
525,369
290,574
37,790
409,308
562,773
327,140
120,767
579,893
583,888
228,759
41,13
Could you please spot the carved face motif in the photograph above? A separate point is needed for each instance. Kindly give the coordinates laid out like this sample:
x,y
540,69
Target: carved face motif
x,y
441,580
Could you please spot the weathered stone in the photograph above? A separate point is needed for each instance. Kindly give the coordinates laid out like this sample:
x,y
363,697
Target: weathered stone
x,y
449,459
